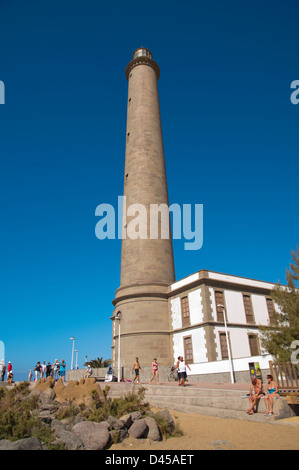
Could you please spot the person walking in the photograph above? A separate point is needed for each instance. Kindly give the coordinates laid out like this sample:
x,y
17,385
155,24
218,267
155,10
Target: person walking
x,y
30,375
48,370
43,369
9,367
136,369
3,370
155,371
37,370
182,370
62,370
177,368
56,368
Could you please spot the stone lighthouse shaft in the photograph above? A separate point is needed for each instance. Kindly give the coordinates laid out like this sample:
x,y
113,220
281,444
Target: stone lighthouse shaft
x,y
147,266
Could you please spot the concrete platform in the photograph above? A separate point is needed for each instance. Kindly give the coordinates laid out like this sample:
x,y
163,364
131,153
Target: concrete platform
x,y
213,399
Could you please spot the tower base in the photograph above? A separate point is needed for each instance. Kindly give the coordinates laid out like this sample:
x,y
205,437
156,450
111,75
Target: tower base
x,y
144,325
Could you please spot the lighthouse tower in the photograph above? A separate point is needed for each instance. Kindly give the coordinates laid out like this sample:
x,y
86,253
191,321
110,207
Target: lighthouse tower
x,y
141,321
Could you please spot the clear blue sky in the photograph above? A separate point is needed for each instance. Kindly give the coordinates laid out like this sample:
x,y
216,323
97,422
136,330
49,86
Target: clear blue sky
x,y
230,138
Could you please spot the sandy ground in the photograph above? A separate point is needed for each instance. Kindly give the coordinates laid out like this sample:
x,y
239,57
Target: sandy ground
x,y
209,432
200,432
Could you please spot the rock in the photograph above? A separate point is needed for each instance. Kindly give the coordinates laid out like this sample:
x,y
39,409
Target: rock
x,y
35,393
69,439
136,415
46,416
77,419
56,424
106,424
167,416
121,434
115,423
94,436
127,420
30,443
153,429
49,407
138,429
47,396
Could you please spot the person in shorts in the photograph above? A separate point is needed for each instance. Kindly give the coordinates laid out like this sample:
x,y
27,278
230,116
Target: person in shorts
x,y
136,369
183,371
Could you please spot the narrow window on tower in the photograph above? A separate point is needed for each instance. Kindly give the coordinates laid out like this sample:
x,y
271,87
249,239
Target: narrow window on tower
x,y
188,350
185,311
248,309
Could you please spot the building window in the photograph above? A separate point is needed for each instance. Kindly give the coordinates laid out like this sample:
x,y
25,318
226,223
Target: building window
x,y
219,299
185,311
248,309
270,307
223,346
188,350
254,345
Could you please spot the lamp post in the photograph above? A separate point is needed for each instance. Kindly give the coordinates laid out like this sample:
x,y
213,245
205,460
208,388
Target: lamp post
x,y
118,317
228,346
73,348
76,366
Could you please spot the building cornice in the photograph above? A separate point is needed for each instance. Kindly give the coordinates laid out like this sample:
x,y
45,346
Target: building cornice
x,y
219,280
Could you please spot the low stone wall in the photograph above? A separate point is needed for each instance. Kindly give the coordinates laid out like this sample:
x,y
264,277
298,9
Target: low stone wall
x,y
164,371
77,374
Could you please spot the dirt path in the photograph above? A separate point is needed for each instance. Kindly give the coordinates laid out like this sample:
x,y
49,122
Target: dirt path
x,y
209,432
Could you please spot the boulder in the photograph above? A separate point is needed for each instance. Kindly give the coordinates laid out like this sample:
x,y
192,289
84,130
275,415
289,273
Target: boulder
x,y
115,423
153,429
69,439
136,415
48,396
127,420
106,424
121,434
94,436
138,429
30,443
167,416
56,424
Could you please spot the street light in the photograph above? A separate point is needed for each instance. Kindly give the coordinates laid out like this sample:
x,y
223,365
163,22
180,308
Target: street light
x,y
73,347
118,317
227,342
76,366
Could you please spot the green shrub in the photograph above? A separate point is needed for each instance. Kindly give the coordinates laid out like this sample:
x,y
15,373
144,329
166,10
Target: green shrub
x,y
18,419
167,430
103,408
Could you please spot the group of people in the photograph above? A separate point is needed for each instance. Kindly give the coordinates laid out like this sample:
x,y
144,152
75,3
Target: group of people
x,y
257,392
56,370
3,371
181,367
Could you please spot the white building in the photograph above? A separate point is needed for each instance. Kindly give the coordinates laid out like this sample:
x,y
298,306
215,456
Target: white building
x,y
198,327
